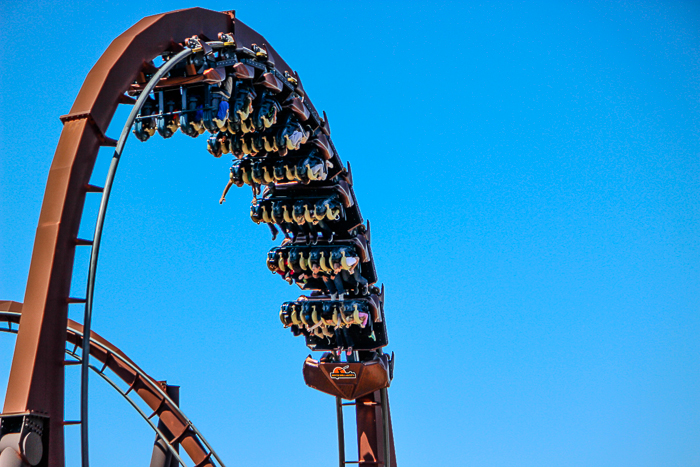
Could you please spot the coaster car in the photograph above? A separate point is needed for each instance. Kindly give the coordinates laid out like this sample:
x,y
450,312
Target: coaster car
x,y
324,255
372,304
310,217
341,189
356,324
348,380
353,338
290,169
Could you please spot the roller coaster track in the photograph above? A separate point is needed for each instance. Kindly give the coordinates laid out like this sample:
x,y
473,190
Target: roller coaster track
x,y
145,387
35,396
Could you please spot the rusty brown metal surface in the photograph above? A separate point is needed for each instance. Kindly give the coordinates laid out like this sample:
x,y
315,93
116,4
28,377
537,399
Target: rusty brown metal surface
x,y
347,380
168,83
147,390
121,62
161,456
247,36
9,305
145,387
36,382
370,439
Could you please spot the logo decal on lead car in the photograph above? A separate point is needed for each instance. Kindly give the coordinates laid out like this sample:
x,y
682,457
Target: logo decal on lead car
x,y
343,373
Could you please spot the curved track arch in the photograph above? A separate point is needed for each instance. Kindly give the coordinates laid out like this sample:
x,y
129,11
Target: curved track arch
x,y
144,386
36,383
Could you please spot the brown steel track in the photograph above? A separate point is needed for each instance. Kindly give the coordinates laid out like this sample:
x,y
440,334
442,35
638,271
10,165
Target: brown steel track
x,y
146,387
36,382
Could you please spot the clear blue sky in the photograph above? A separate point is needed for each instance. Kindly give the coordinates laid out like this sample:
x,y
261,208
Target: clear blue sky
x,y
531,171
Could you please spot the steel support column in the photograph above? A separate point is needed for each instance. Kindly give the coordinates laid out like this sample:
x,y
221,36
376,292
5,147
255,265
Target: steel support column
x,y
161,457
370,430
